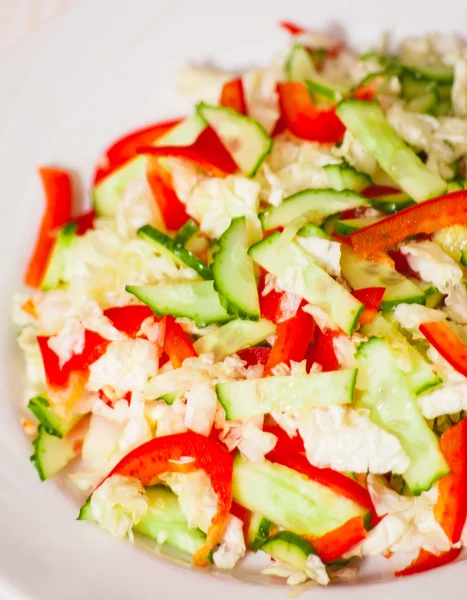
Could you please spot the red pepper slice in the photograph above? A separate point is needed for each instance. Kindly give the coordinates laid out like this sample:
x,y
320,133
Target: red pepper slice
x,y
451,507
128,319
207,151
85,222
165,454
292,340
322,350
171,208
447,343
124,149
285,444
337,542
269,303
233,96
176,343
58,206
292,28
371,298
258,355
304,119
425,217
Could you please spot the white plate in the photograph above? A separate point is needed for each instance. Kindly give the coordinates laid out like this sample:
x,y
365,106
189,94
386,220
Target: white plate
x,y
91,75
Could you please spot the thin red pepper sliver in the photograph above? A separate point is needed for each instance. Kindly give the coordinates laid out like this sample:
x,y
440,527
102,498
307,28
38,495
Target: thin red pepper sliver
x,y
375,191
447,343
233,96
177,346
371,298
58,209
167,455
426,217
337,542
322,350
292,28
85,222
172,210
128,319
258,355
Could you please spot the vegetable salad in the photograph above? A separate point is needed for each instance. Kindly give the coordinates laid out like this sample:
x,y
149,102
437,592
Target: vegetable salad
x,y
255,342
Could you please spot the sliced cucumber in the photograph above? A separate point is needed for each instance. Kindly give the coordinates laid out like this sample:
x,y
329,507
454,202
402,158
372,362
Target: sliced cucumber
x,y
53,276
51,453
185,133
346,226
364,273
167,246
289,548
186,232
245,139
312,230
242,399
303,277
299,64
316,205
393,406
50,421
391,203
259,529
414,86
234,336
426,104
164,520
366,121
234,273
290,499
440,73
170,397
421,375
197,300
344,177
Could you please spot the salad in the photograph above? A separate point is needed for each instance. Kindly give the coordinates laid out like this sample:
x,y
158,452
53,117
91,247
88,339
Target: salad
x,y
255,342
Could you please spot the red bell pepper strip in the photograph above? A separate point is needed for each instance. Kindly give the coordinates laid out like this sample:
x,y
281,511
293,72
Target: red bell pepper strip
x,y
304,119
124,149
292,28
171,208
85,222
451,507
258,355
337,542
207,151
375,191
322,350
128,319
176,343
167,454
269,303
285,444
233,96
447,343
279,127
58,206
292,340
371,298
425,217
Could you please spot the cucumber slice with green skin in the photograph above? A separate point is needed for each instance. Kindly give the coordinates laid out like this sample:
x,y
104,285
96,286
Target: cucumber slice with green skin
x,y
312,230
322,93
51,453
289,548
258,531
364,273
163,520
234,336
414,86
346,226
344,177
108,193
367,123
302,276
392,203
464,258
299,64
315,204
53,276
328,224
439,73
426,104
245,139
393,406
434,300
185,233
234,273
421,375
197,300
169,398
50,421
242,399
290,499
167,246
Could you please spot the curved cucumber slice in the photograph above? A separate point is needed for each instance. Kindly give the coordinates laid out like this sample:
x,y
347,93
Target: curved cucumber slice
x,y
315,204
167,246
441,73
364,273
346,226
234,274
302,276
426,104
393,406
345,177
197,300
51,454
186,232
290,548
245,139
50,421
258,531
299,65
234,336
242,399
53,276
366,121
391,203
290,499
312,230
